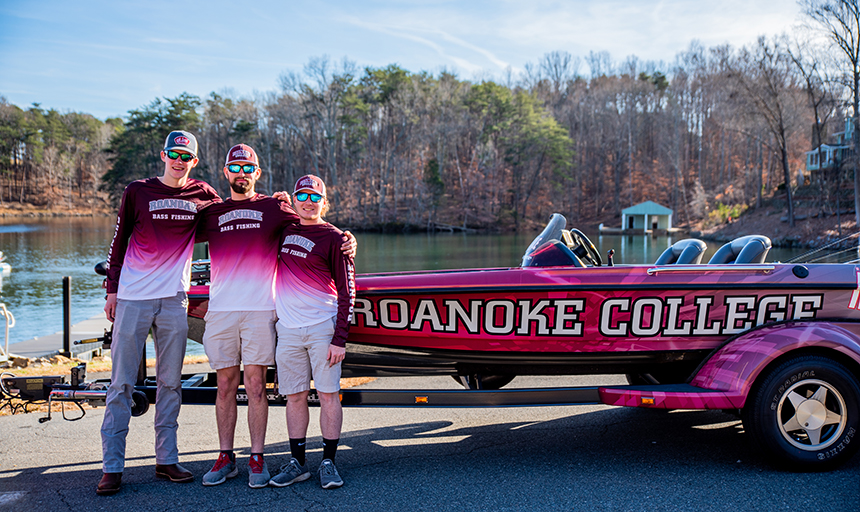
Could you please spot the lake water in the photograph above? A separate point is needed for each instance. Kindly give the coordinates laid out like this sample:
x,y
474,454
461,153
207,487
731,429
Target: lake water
x,y
42,251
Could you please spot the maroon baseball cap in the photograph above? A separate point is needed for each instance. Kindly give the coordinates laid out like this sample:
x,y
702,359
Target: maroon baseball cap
x,y
310,182
242,153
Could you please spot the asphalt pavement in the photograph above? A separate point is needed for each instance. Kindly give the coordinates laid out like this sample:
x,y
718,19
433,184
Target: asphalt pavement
x,y
411,459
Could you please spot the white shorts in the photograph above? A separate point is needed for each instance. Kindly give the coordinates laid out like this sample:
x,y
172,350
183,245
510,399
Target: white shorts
x,y
301,355
232,337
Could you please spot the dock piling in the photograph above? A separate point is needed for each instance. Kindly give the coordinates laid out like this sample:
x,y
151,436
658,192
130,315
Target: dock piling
x,y
67,316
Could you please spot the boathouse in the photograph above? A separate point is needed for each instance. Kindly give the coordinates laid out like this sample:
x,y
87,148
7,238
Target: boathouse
x,y
646,216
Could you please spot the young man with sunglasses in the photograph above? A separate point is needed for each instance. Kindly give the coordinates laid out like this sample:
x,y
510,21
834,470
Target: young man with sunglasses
x,y
147,280
243,234
315,295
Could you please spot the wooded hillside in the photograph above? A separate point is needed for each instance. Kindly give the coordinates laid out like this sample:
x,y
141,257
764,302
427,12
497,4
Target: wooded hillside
x,y
708,136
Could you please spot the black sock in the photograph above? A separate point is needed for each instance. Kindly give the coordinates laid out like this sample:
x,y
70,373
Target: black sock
x,y
329,448
297,450
230,454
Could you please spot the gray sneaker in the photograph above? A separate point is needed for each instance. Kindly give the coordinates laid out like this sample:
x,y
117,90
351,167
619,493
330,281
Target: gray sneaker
x,y
329,477
224,468
290,474
258,472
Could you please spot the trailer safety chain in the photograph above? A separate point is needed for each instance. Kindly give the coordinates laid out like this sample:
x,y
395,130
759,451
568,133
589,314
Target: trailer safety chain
x,y
63,409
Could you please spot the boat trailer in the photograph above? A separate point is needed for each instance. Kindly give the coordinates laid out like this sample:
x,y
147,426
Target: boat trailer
x,y
202,389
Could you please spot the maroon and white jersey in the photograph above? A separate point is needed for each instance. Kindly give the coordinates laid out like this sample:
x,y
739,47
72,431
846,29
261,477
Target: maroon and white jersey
x,y
243,251
150,256
316,280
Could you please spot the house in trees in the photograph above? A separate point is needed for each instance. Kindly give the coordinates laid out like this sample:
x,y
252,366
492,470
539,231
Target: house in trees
x,y
827,156
646,216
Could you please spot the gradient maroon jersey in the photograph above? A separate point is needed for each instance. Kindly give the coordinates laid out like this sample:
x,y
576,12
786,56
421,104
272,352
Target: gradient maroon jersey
x,y
150,255
243,251
316,280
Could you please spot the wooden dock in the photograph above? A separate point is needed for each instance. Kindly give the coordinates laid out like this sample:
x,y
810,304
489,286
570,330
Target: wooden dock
x,y
45,346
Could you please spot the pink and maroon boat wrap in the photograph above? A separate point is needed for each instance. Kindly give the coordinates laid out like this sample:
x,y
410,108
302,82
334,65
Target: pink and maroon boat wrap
x,y
730,320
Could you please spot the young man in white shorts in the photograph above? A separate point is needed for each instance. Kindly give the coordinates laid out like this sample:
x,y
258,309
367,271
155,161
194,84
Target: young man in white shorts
x,y
243,234
315,294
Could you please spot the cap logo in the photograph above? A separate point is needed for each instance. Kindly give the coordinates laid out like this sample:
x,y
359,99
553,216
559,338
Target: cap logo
x,y
242,153
182,139
307,183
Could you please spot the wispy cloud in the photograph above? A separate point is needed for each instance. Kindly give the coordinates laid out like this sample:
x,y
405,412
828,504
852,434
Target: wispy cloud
x,y
486,53
159,54
427,39
184,42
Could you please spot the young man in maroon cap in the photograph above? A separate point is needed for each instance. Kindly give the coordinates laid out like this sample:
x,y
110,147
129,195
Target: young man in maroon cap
x,y
147,280
243,234
314,295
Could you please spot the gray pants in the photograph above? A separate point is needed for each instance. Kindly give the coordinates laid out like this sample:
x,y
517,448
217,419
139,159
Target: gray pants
x,y
134,318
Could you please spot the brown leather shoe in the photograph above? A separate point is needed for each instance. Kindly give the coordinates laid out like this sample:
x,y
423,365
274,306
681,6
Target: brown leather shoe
x,y
109,484
173,472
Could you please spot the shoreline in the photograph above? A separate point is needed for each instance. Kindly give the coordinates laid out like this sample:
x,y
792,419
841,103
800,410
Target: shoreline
x,y
811,231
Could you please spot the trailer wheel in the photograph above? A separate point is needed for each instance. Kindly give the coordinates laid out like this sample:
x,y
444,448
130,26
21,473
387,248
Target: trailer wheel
x,y
488,382
805,414
139,403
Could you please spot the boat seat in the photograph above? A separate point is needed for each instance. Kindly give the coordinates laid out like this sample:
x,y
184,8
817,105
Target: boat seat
x,y
746,249
553,253
683,252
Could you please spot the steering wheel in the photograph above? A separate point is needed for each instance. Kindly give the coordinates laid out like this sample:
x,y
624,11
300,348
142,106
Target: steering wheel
x,y
585,249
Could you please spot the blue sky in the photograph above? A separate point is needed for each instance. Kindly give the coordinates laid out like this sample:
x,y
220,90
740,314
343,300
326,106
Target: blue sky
x,y
108,57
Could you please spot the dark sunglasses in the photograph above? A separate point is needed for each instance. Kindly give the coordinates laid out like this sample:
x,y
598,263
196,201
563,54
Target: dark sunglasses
x,y
236,168
185,157
303,196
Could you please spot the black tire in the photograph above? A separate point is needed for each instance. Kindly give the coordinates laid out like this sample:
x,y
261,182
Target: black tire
x,y
488,382
805,414
636,379
196,328
139,403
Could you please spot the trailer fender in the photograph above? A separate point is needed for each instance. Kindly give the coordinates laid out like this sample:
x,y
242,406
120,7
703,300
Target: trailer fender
x,y
734,367
724,380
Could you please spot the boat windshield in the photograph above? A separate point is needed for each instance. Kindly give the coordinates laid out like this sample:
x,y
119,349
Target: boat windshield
x,y
552,231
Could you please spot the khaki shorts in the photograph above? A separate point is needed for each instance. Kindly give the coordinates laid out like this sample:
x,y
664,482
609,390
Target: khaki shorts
x,y
301,354
232,337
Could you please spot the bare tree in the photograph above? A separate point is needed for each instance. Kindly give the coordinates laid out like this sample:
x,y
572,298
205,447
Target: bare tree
x,y
823,100
320,95
767,85
840,21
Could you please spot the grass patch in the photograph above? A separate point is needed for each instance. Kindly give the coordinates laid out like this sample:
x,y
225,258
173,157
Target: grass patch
x,y
59,365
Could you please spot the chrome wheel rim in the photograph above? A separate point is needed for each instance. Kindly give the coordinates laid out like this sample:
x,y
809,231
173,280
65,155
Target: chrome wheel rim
x,y
811,415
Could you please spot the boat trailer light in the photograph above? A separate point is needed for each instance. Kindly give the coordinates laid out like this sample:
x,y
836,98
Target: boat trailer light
x,y
647,400
422,400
